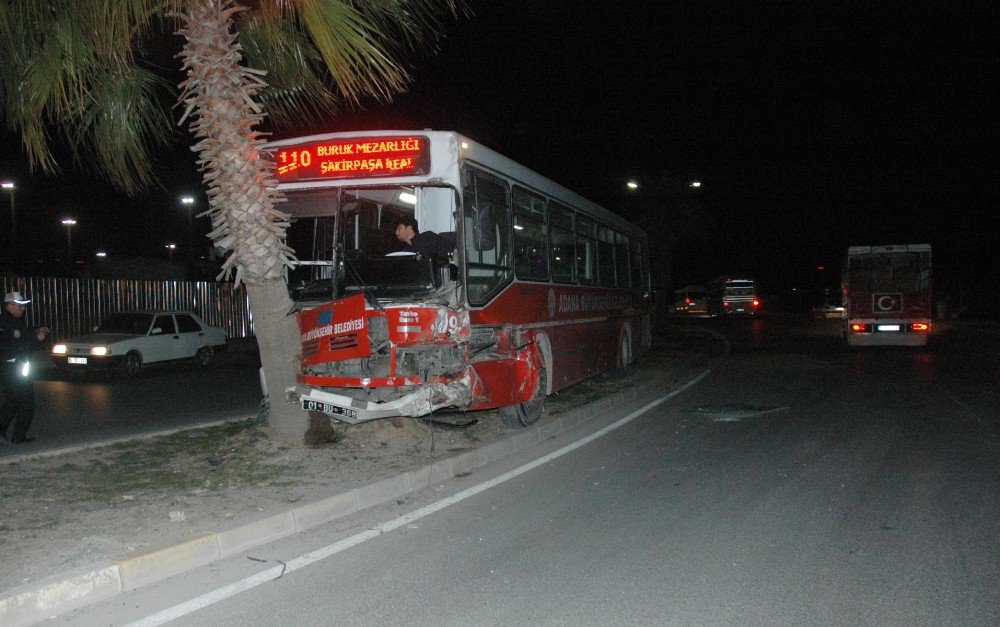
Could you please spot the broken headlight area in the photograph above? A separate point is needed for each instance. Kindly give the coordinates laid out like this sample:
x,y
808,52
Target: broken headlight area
x,y
416,361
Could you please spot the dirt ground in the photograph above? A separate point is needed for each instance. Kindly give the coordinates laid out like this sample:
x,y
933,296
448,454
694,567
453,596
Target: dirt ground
x,y
71,510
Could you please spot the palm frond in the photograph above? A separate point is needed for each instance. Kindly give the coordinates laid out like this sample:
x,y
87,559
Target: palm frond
x,y
123,119
63,58
298,90
351,49
415,22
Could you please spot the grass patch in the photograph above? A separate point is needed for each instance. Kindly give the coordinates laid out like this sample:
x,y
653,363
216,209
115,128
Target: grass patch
x,y
211,459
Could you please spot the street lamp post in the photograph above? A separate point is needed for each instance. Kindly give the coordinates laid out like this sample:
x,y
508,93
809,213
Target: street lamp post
x,y
8,186
170,250
189,201
68,223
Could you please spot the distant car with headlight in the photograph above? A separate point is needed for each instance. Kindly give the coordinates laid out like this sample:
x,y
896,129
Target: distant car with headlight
x,y
691,300
129,340
830,308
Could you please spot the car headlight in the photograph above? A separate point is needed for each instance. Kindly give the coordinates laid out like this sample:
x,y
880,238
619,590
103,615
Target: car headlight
x,y
59,349
100,351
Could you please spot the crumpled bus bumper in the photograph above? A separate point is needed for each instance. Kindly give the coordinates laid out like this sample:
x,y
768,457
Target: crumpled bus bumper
x,y
419,402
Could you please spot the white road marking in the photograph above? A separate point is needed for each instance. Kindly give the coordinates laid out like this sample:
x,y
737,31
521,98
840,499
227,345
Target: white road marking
x,y
220,594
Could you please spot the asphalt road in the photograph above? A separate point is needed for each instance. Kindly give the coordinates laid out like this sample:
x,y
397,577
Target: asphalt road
x,y
798,483
79,407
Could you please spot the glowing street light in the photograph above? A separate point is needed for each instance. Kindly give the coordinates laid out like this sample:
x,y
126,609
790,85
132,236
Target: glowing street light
x,y
632,185
69,223
8,186
695,184
189,201
170,250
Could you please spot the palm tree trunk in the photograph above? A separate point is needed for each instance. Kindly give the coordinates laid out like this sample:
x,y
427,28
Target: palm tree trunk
x,y
219,96
278,342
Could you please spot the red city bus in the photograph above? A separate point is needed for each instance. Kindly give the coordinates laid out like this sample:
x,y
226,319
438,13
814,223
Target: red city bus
x,y
541,288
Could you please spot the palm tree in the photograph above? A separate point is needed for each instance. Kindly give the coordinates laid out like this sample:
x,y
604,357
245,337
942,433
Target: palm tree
x,y
88,69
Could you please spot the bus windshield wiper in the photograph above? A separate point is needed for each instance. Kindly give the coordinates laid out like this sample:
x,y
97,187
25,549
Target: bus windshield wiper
x,y
365,288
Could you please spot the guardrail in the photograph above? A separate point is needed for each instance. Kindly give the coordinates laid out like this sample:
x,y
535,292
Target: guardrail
x,y
72,306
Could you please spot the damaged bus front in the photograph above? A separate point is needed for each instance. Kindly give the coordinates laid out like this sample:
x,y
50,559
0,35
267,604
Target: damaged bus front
x,y
385,329
384,332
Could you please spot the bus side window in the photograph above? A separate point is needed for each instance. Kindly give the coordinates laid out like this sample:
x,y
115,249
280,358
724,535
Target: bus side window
x,y
531,253
562,248
621,259
484,227
606,255
487,234
638,265
586,251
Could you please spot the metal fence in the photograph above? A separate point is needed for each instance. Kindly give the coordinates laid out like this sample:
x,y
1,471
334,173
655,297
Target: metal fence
x,y
71,307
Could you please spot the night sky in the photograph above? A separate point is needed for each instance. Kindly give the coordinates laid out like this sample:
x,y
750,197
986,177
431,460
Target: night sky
x,y
812,125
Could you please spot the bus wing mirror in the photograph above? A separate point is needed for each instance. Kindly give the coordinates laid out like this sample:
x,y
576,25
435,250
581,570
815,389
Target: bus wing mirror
x,y
483,228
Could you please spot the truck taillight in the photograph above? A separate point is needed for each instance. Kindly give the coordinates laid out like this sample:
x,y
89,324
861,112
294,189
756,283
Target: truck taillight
x,y
725,304
860,327
920,327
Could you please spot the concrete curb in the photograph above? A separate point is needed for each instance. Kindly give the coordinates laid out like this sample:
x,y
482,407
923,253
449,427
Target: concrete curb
x,y
72,590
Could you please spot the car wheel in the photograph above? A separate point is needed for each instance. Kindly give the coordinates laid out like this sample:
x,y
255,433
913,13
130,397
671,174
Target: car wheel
x,y
204,356
524,414
132,364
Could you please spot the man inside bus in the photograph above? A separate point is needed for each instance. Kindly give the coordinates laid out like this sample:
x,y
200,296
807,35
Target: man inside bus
x,y
426,243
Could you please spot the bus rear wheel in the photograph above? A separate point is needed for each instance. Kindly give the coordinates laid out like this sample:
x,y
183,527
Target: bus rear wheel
x,y
624,358
527,413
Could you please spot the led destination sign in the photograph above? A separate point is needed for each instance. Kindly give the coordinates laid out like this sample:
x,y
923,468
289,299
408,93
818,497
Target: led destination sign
x,y
354,158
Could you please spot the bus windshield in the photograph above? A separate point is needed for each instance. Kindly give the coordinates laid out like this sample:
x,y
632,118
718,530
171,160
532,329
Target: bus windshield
x,y
354,231
737,289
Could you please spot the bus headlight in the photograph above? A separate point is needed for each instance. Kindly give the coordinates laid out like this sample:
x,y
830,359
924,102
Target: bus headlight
x,y
99,351
59,349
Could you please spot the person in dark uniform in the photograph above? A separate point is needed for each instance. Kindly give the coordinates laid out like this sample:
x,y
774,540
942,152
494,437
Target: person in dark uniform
x,y
16,345
425,243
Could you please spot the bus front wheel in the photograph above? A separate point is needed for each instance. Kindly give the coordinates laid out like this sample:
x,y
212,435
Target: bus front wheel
x,y
527,413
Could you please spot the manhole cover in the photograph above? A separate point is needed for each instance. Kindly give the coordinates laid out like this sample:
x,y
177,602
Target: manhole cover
x,y
733,412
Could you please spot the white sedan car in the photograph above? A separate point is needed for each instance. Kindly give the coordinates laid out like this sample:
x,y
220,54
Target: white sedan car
x,y
129,340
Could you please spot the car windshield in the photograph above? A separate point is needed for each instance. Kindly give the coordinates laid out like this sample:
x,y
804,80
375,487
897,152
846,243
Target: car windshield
x,y
130,323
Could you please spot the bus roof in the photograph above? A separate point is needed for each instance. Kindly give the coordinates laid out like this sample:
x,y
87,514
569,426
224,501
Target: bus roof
x,y
898,248
448,149
730,278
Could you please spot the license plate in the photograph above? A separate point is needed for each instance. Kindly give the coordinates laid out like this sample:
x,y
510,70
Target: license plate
x,y
887,327
77,360
327,408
